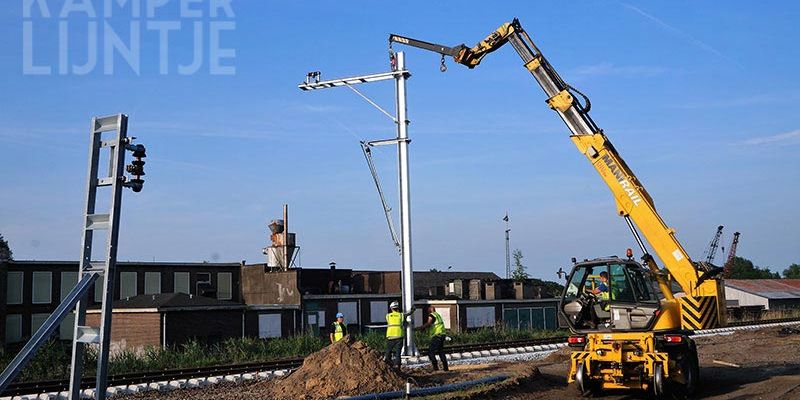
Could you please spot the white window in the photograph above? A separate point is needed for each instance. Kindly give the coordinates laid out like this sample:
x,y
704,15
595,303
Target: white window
x,y
68,281
127,285
13,328
98,290
37,320
42,287
15,282
181,282
67,327
350,311
378,311
445,313
478,317
224,285
152,282
269,325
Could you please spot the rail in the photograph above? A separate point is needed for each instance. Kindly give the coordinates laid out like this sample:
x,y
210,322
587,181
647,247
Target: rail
x,y
37,387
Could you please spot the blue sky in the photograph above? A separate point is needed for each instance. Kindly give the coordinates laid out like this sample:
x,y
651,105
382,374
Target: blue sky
x,y
698,98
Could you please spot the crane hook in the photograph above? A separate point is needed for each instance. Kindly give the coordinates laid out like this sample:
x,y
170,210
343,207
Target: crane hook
x,y
442,66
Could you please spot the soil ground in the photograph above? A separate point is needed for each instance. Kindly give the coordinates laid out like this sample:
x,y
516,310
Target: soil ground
x,y
768,368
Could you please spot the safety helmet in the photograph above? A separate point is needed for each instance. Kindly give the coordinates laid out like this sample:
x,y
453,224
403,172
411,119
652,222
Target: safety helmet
x,y
395,305
339,315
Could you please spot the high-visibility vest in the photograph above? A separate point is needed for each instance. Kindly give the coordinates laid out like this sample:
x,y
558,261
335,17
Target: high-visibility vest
x,y
438,325
394,320
339,330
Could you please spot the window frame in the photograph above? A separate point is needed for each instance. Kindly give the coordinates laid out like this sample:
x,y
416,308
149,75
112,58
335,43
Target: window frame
x,y
63,293
122,281
49,275
158,286
18,317
175,281
230,285
21,287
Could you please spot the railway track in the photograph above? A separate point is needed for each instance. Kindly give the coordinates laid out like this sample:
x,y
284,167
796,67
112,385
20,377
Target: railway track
x,y
55,386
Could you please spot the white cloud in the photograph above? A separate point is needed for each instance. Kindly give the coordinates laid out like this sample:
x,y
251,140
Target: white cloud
x,y
685,36
611,69
786,138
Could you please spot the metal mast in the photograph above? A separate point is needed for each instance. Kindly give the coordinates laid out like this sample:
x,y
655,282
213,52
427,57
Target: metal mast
x,y
508,248
99,272
711,252
400,75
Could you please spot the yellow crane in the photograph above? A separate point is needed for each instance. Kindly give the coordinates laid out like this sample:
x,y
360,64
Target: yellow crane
x,y
631,330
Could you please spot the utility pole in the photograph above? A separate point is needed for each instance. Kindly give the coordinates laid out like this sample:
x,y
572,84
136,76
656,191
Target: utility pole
x,y
400,75
508,248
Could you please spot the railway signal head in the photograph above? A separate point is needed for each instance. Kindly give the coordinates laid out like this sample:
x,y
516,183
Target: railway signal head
x,y
136,167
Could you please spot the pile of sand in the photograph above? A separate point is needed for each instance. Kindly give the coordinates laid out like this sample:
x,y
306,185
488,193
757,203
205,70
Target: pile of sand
x,y
345,368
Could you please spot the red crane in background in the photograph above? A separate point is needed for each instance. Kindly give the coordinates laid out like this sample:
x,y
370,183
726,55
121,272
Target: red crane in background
x,y
731,254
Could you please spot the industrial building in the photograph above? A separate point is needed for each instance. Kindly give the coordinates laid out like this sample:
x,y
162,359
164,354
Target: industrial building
x,y
33,289
771,294
159,304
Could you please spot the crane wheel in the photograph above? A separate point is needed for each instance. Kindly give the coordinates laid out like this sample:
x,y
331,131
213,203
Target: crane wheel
x,y
690,369
659,384
586,386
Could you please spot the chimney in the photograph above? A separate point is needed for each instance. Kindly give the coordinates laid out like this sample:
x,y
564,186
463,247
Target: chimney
x,y
332,278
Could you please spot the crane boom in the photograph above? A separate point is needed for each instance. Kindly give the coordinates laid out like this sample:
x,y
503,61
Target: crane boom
x,y
705,295
711,252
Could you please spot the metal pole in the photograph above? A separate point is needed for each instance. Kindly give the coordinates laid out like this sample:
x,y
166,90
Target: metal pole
x,y
410,349
508,254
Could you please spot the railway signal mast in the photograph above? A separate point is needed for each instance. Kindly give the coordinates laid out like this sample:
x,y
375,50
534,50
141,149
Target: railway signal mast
x,y
97,272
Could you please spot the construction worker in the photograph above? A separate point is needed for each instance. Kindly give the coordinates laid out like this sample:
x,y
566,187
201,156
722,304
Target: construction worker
x,y
395,333
435,327
338,328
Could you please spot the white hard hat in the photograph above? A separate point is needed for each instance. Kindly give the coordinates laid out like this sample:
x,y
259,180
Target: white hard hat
x,y
394,305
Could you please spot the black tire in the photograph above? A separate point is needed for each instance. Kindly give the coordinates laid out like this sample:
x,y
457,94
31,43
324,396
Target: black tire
x,y
690,368
659,382
585,385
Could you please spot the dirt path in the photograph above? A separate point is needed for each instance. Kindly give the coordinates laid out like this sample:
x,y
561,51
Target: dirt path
x,y
769,368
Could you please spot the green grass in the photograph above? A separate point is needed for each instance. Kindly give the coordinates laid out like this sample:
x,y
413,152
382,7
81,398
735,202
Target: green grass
x,y
53,359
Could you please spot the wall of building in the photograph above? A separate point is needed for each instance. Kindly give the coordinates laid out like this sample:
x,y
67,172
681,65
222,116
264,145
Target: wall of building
x,y
208,326
66,271
745,298
376,282
260,287
133,330
289,321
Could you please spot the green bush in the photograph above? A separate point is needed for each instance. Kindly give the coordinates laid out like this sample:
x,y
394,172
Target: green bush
x,y
52,361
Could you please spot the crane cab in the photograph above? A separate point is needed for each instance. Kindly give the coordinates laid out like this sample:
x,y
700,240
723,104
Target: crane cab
x,y
610,294
626,333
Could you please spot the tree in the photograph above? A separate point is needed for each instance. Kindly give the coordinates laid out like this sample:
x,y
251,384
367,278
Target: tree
x,y
518,274
793,272
5,251
742,268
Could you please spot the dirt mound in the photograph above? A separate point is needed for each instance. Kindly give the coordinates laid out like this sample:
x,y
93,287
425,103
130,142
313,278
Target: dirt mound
x,y
345,368
558,356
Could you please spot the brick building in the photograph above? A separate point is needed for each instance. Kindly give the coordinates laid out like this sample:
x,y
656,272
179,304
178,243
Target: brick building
x,y
33,289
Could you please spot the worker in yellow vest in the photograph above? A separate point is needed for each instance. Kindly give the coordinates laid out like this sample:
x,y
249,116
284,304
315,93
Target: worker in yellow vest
x,y
435,327
395,333
338,329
